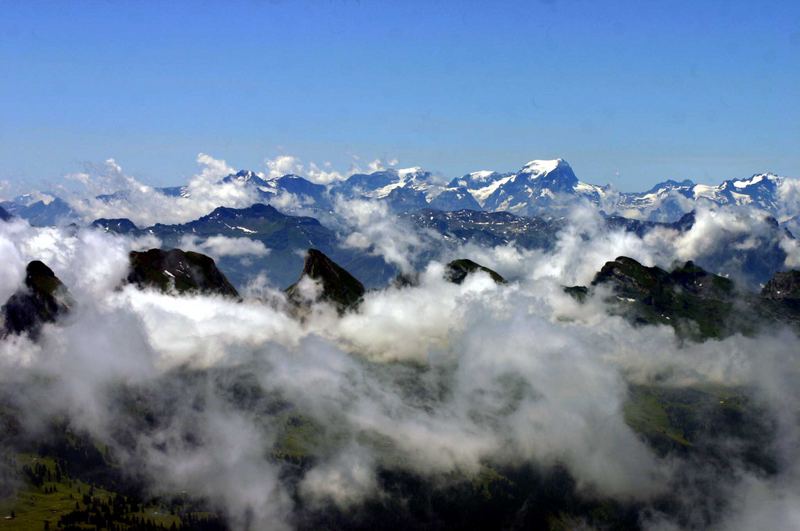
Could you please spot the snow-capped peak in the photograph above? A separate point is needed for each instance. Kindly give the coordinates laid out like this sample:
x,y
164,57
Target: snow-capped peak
x,y
535,168
248,178
481,175
406,172
755,179
245,175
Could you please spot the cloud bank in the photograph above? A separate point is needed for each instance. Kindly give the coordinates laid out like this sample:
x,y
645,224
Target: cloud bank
x,y
434,380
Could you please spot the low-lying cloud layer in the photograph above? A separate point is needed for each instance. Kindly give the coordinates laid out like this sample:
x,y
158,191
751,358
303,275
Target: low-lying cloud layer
x,y
435,379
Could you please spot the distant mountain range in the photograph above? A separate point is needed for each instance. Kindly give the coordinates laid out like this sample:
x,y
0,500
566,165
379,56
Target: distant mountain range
x,y
751,259
541,187
285,237
526,208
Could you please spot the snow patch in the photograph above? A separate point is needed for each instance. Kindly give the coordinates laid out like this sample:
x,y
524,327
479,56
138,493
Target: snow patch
x,y
753,180
537,168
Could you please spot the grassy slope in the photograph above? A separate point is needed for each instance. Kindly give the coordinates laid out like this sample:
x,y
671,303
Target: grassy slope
x,y
32,505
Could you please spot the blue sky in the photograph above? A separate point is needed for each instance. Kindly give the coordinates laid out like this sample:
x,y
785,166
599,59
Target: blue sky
x,y
628,92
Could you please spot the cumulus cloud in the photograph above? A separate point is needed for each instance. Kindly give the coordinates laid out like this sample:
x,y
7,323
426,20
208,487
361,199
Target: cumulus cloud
x,y
289,164
323,173
369,227
789,197
741,243
123,196
283,165
107,191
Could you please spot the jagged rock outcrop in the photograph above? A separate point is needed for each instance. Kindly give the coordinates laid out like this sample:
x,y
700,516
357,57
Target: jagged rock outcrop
x,y
337,285
117,226
697,303
181,271
631,278
783,286
457,270
42,300
579,293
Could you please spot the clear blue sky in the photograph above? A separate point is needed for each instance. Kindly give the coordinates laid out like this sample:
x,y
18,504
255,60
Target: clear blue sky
x,y
628,92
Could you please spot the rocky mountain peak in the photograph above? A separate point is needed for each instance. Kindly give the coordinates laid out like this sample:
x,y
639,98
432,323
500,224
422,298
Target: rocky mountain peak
x,y
338,285
42,300
458,270
181,271
783,286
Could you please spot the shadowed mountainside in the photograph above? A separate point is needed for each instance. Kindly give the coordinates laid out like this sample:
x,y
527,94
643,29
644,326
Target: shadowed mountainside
x,y
183,271
698,304
338,286
42,300
457,271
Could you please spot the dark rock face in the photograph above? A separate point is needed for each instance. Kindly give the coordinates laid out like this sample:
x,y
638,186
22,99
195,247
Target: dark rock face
x,y
784,286
338,286
184,271
651,295
632,278
696,303
43,299
4,215
457,270
579,293
779,301
117,226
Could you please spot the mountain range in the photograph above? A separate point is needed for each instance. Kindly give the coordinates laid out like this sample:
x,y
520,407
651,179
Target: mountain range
x,y
527,208
751,259
540,187
284,237
58,461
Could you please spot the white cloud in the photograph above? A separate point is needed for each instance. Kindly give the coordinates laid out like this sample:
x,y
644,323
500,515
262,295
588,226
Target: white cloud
x,y
283,165
435,380
219,246
145,205
316,173
370,227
